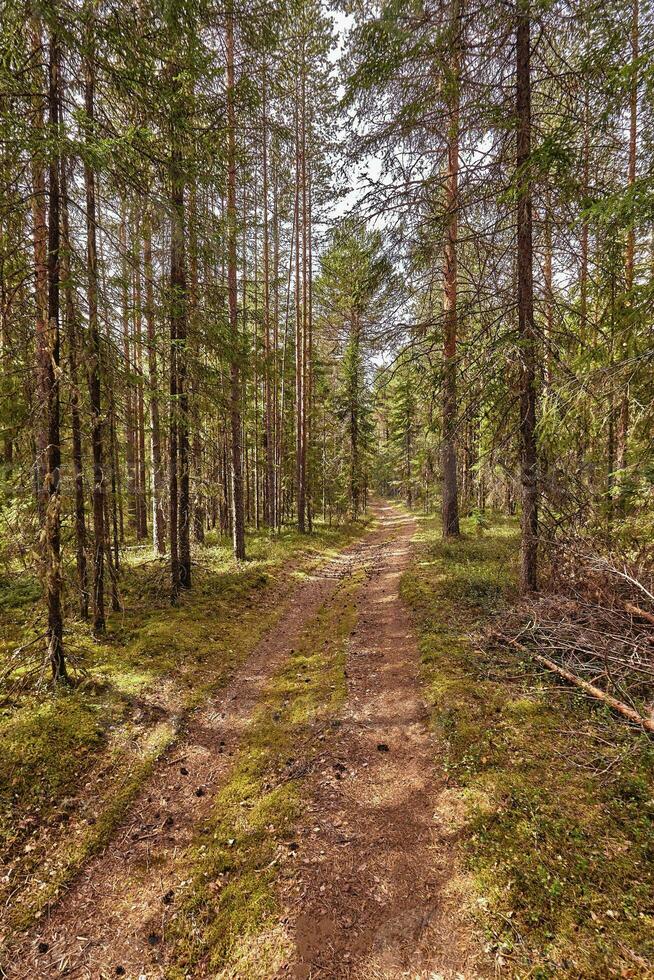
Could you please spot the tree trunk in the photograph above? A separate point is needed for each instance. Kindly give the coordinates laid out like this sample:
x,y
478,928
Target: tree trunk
x,y
173,446
270,494
549,289
525,298
238,514
409,475
309,396
183,413
583,271
94,352
304,470
622,434
449,463
255,362
275,343
197,454
129,435
158,476
299,343
40,243
72,339
49,360
141,474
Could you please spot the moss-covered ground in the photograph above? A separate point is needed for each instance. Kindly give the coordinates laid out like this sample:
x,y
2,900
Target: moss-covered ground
x,y
72,760
558,795
227,922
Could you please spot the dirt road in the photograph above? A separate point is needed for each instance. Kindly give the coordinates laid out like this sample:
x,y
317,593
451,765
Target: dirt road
x,y
374,891
377,896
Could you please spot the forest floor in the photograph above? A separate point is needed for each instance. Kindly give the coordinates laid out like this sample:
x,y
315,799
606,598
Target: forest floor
x,y
359,792
72,764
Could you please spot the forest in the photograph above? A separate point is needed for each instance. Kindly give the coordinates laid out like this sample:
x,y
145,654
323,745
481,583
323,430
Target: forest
x,y
326,489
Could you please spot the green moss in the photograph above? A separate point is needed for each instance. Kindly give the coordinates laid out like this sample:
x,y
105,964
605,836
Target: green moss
x,y
558,794
41,749
125,784
229,910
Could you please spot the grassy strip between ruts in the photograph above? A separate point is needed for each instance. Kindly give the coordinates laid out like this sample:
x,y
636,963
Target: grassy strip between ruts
x,y
558,795
71,762
227,922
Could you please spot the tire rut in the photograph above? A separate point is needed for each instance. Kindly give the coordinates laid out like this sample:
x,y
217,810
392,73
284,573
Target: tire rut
x,y
376,893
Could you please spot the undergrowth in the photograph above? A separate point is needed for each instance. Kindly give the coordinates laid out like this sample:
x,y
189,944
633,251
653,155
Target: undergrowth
x,y
558,794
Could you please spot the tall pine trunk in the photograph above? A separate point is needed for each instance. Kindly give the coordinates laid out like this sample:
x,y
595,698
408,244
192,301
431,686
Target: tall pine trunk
x,y
142,510
299,336
49,361
525,298
130,434
94,351
40,246
450,505
309,338
179,477
269,490
238,512
72,340
622,434
198,448
306,315
183,399
158,476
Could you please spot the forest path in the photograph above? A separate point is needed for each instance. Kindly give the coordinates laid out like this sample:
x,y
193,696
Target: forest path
x,y
375,892
112,920
372,890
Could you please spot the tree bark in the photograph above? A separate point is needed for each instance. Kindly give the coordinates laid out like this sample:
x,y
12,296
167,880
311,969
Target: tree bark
x,y
197,454
549,288
299,338
238,513
183,401
72,339
525,300
309,323
158,476
305,304
275,343
49,360
177,326
583,271
270,493
141,472
94,350
130,436
622,434
450,503
40,245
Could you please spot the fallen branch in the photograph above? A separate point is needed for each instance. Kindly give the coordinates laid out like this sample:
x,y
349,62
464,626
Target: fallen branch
x,y
623,709
638,612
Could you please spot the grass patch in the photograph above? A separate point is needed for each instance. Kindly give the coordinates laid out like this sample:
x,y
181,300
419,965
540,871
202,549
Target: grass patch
x,y
71,761
558,794
227,924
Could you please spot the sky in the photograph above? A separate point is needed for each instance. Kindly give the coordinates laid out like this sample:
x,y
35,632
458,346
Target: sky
x,y
356,186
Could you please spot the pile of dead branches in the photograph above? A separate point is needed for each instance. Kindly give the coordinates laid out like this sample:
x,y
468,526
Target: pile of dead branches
x,y
593,624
